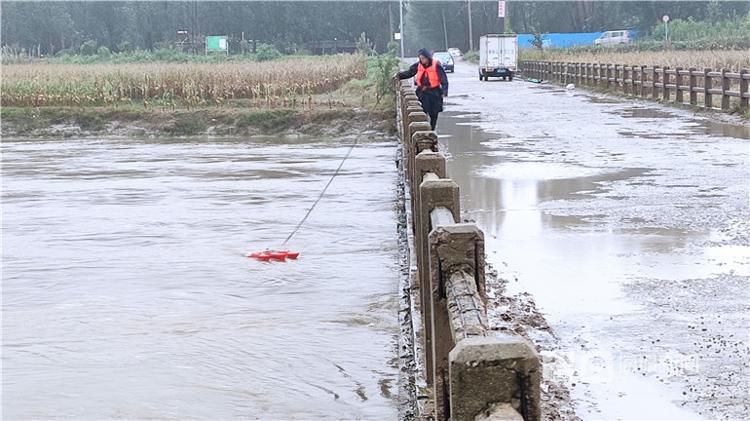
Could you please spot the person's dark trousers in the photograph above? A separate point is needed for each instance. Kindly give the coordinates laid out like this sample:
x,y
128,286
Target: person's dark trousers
x,y
432,104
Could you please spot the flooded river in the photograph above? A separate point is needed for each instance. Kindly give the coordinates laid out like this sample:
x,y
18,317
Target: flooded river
x,y
126,293
627,223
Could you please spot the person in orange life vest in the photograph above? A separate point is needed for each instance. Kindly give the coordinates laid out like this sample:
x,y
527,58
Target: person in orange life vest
x,y
432,84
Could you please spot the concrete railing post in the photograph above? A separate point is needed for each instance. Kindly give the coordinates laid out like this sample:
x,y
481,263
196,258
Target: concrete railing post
x,y
486,371
411,108
725,86
457,285
678,80
708,100
426,161
744,91
433,193
418,122
692,87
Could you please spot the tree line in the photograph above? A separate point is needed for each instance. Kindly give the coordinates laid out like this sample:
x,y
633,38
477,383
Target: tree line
x,y
52,27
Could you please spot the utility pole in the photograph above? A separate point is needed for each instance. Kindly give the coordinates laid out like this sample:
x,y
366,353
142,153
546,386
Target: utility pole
x,y
445,30
501,13
390,23
401,25
471,31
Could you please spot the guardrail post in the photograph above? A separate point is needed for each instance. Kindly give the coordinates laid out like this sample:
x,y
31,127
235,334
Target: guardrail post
x,y
665,82
555,77
616,71
418,122
725,86
564,72
708,100
422,141
678,96
654,82
550,71
692,86
555,67
490,370
412,106
456,253
595,74
433,194
643,82
744,92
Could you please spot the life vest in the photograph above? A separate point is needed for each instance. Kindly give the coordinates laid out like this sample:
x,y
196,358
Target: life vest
x,y
432,75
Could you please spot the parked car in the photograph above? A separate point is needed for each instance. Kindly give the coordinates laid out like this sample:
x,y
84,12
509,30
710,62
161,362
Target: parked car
x,y
455,52
446,59
615,38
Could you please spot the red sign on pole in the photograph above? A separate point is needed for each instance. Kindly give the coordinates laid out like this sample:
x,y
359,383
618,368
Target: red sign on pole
x,y
501,9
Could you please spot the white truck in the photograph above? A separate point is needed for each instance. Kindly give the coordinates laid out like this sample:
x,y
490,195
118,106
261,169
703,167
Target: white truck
x,y
498,56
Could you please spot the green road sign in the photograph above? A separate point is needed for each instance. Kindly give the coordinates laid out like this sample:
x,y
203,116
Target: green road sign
x,y
217,43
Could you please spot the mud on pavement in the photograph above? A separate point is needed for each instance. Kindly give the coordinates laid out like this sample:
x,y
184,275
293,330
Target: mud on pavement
x,y
519,314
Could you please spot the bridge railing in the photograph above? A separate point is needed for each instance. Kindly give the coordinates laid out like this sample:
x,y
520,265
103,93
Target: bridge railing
x,y
474,373
716,88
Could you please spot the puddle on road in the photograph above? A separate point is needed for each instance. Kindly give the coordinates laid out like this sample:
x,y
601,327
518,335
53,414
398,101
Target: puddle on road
x,y
602,100
722,129
643,112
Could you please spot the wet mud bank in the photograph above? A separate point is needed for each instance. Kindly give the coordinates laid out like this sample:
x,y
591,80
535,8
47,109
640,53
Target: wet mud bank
x,y
68,122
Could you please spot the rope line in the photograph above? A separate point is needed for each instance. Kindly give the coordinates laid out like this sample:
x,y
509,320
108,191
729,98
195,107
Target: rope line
x,y
330,181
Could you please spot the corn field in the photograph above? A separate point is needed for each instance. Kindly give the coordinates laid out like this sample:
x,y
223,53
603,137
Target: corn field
x,y
733,60
284,83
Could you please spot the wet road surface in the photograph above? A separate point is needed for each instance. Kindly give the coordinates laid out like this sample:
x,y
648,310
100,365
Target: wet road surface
x,y
126,293
627,222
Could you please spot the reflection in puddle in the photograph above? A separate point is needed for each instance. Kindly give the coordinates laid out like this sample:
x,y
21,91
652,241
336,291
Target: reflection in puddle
x,y
537,171
603,100
721,129
642,112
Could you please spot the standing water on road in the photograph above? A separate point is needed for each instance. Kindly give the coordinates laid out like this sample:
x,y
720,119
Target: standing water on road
x,y
628,225
126,293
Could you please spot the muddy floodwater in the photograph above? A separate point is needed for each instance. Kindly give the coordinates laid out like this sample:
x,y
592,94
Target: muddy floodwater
x,y
627,222
126,293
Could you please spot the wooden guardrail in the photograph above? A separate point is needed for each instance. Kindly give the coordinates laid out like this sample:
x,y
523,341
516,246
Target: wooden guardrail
x,y
474,373
706,88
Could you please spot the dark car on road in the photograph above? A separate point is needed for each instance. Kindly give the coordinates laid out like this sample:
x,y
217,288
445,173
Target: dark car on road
x,y
446,59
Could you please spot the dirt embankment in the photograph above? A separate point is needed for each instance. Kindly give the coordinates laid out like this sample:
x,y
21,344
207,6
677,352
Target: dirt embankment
x,y
133,122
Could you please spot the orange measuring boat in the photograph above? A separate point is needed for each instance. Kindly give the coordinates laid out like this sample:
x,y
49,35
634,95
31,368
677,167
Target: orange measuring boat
x,y
277,255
